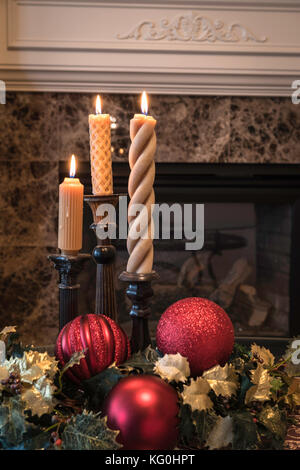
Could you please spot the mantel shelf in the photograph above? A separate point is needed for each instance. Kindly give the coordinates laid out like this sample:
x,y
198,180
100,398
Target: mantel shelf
x,y
170,47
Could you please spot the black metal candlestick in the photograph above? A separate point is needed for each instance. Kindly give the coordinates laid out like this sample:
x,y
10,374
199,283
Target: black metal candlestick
x,y
139,291
68,267
104,256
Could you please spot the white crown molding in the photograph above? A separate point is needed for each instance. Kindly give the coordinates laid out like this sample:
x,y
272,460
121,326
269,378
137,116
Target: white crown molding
x,y
215,47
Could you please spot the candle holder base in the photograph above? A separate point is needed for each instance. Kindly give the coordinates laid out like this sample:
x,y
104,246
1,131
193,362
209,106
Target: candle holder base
x,y
68,266
139,291
104,257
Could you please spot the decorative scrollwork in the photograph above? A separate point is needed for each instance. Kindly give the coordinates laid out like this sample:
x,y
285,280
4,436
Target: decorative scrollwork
x,y
191,28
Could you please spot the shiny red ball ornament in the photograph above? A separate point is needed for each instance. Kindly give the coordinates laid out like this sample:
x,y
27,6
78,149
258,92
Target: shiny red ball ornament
x,y
199,330
145,410
104,340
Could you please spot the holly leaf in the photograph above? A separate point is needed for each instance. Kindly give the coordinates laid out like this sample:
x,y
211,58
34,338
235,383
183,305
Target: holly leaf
x,y
276,384
74,360
240,351
186,425
172,367
196,394
151,354
221,434
292,396
262,388
204,421
32,365
140,362
39,398
99,386
12,422
245,385
274,420
223,380
87,431
244,431
262,355
13,345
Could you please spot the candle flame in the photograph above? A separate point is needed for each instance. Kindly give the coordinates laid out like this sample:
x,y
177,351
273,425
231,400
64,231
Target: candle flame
x,y
144,105
73,167
98,105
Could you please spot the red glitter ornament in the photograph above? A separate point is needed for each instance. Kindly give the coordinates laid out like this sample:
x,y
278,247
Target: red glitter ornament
x,y
145,410
199,330
105,341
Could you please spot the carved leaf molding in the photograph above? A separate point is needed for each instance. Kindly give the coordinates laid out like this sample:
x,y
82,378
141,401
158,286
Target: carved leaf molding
x,y
191,27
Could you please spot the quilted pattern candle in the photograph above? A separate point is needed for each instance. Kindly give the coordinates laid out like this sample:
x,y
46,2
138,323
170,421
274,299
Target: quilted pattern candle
x,y
100,151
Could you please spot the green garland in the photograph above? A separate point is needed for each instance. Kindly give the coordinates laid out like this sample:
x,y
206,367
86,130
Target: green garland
x,y
244,405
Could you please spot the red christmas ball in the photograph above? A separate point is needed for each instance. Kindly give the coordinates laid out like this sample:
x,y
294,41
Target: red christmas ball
x,y
104,340
199,330
145,410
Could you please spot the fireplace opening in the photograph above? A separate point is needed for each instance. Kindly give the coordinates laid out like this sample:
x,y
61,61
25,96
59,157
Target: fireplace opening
x,y
250,259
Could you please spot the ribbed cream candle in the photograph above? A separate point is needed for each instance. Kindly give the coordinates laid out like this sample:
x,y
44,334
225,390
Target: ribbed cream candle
x,y
140,189
70,216
100,151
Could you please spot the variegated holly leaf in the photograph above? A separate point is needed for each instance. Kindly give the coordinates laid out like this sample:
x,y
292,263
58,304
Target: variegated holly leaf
x,y
39,398
262,355
74,360
222,433
87,431
196,394
6,331
172,367
274,420
46,363
293,394
32,365
261,389
223,380
36,371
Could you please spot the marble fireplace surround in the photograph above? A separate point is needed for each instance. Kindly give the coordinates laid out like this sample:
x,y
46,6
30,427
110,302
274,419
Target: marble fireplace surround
x,y
40,130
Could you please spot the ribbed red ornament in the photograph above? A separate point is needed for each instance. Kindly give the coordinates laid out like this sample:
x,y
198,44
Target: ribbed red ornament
x,y
199,330
104,340
145,410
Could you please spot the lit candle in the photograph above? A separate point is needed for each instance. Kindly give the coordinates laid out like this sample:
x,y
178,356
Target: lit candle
x,y
100,151
70,213
140,189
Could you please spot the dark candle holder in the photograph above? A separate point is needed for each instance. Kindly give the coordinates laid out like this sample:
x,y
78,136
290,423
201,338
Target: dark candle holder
x,y
139,291
104,256
68,267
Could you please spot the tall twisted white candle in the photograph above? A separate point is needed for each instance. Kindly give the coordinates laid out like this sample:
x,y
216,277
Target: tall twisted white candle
x,y
140,189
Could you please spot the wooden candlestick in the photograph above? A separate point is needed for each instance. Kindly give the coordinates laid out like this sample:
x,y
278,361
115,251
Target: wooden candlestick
x,y
68,267
139,291
104,256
